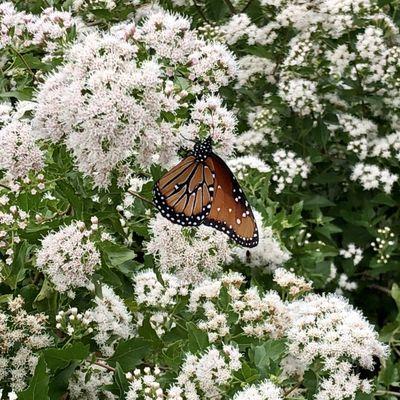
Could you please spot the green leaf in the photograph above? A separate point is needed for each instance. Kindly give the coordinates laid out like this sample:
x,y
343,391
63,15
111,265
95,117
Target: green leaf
x,y
18,267
59,383
5,298
272,350
60,358
310,381
117,254
317,201
198,340
120,381
395,292
39,385
129,353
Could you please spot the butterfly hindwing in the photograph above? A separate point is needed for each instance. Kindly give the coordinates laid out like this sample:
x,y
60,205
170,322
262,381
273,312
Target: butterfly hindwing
x,y
185,193
230,211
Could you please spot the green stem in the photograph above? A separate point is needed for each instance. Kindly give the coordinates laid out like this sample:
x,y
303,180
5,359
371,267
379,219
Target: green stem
x,y
387,392
200,11
230,6
141,197
21,57
246,6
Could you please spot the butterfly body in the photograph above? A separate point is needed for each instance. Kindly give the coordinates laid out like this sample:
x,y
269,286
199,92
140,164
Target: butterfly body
x,y
201,189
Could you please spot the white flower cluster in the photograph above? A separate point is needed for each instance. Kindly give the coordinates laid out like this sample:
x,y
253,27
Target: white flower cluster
x,y
329,329
157,299
268,254
144,385
19,153
258,315
240,26
353,252
20,29
287,168
291,282
204,376
90,5
69,258
372,176
252,67
107,103
12,220
384,244
266,390
301,95
249,139
208,114
73,323
87,383
345,284
22,334
112,320
191,254
240,166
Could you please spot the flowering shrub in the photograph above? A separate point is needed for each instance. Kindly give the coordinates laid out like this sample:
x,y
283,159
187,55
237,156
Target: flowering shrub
x,y
103,298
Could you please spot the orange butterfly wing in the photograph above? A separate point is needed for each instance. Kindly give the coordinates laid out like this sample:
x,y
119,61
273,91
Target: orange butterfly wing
x,y
185,193
230,211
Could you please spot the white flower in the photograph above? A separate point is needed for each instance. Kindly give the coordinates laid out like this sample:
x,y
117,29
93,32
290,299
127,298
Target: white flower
x,y
241,165
84,386
253,67
112,319
150,292
210,115
68,257
328,329
22,334
288,280
110,102
265,390
353,252
301,95
287,167
191,254
19,154
204,376
371,176
268,253
21,29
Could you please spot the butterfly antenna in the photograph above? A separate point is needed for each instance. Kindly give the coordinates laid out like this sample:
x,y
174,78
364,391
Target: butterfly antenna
x,y
190,140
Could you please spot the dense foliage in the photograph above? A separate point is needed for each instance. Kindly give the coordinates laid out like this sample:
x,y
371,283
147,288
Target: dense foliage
x,y
101,297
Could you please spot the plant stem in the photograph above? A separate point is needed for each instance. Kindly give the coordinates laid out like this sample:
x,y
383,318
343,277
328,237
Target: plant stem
x,y
287,392
141,197
230,6
103,365
381,288
246,6
21,57
387,392
201,12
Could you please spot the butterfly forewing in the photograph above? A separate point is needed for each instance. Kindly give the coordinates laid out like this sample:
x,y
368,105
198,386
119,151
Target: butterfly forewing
x,y
230,211
184,194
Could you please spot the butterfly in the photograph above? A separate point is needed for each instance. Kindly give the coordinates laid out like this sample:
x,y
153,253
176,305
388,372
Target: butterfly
x,y
201,189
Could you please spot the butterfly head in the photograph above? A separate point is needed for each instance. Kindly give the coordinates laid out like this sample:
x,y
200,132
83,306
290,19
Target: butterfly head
x,y
202,149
